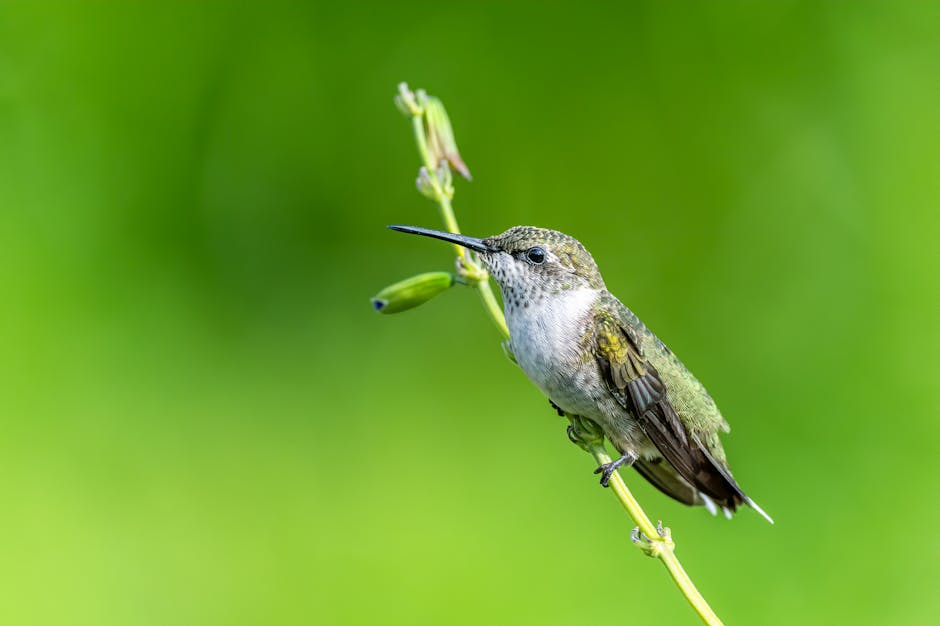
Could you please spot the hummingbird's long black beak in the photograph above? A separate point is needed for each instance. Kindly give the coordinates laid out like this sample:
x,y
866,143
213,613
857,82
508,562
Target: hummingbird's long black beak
x,y
461,240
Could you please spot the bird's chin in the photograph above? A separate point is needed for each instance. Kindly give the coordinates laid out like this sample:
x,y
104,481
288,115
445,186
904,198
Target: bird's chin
x,y
498,264
490,261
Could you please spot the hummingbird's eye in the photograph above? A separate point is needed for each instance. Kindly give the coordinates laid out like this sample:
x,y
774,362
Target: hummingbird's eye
x,y
536,255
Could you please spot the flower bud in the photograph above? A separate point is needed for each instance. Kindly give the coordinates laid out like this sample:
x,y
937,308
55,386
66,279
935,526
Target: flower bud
x,y
425,185
440,135
405,100
445,178
411,292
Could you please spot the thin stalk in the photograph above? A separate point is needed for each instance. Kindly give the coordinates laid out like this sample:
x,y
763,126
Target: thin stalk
x,y
665,551
625,496
447,211
655,541
492,307
447,214
417,125
688,588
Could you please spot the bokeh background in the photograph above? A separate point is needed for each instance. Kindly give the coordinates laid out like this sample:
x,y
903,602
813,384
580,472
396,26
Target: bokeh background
x,y
203,422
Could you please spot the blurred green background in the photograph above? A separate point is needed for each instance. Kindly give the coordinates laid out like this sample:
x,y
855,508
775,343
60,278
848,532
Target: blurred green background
x,y
203,422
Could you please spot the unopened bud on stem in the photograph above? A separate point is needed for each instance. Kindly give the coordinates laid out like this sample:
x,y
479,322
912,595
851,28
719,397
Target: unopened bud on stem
x,y
426,185
445,179
406,102
440,134
411,292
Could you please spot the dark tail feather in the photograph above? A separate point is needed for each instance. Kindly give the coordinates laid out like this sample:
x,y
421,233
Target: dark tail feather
x,y
665,478
729,480
690,459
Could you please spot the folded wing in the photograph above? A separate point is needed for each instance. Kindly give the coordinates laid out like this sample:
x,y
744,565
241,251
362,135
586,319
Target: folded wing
x,y
637,386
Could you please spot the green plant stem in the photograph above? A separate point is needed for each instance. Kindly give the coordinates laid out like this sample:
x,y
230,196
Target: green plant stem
x,y
479,277
665,551
492,307
655,541
447,214
624,495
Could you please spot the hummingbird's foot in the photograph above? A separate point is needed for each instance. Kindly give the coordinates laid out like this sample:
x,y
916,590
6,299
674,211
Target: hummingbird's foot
x,y
607,469
584,433
560,413
572,435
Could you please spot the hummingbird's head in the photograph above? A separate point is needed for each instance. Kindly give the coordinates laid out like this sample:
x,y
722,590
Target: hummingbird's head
x,y
528,263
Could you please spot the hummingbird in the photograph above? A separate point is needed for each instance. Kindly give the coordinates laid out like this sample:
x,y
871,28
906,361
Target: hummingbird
x,y
595,360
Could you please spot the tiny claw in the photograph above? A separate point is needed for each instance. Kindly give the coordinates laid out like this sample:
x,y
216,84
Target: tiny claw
x,y
571,434
584,433
607,469
606,472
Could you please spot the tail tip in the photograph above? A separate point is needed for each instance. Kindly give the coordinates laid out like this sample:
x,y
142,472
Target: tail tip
x,y
759,510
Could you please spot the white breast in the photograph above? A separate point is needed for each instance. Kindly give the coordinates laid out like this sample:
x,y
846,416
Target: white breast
x,y
546,340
